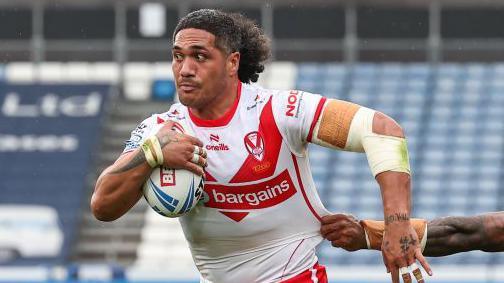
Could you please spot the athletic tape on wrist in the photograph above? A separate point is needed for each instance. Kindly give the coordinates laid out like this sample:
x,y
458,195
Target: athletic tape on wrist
x,y
423,241
152,151
148,155
156,148
368,243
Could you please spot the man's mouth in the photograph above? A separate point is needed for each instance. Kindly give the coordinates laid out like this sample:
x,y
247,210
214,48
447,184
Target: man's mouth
x,y
187,87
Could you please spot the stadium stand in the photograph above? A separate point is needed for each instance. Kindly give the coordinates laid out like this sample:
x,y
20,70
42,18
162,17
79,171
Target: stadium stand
x,y
51,51
453,116
44,158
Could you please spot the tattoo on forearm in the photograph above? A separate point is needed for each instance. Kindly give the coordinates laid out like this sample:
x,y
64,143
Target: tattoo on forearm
x,y
396,217
406,243
137,160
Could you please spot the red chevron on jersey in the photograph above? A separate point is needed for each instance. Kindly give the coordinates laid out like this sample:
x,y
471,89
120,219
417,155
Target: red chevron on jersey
x,y
209,177
255,168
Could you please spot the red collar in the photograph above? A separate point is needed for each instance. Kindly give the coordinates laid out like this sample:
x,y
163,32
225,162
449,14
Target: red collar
x,y
221,121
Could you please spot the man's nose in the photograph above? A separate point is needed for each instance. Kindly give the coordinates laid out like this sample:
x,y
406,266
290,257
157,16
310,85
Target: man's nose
x,y
188,68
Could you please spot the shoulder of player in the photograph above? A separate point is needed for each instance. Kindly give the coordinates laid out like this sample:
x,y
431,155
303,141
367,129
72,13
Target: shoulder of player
x,y
255,97
289,101
176,112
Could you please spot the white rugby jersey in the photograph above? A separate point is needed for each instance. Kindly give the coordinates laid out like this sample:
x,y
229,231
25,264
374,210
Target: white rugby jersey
x,y
259,219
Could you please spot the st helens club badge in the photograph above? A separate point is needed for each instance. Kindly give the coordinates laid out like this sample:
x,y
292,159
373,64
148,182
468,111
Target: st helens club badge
x,y
254,144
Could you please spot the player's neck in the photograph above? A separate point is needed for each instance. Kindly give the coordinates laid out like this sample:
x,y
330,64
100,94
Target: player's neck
x,y
220,106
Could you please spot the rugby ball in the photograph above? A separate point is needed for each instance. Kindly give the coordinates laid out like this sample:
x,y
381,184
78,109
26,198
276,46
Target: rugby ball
x,y
173,192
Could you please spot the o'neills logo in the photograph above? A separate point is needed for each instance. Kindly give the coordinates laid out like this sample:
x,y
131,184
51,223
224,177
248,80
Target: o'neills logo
x,y
216,144
255,196
220,146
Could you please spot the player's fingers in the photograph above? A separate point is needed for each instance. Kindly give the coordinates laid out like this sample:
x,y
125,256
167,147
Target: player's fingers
x,y
328,219
194,140
423,262
168,124
202,162
196,169
344,245
385,262
394,273
199,151
417,273
405,274
196,159
336,235
329,228
402,261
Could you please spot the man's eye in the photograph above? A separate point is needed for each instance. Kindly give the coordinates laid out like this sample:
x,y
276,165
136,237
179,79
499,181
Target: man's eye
x,y
200,57
178,56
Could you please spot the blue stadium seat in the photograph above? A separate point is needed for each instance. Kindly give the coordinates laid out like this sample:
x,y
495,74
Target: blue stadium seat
x,y
163,90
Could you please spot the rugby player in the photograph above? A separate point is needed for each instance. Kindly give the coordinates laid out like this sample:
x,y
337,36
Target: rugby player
x,y
439,237
261,216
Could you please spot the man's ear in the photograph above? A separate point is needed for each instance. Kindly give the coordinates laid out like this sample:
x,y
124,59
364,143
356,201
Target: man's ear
x,y
233,63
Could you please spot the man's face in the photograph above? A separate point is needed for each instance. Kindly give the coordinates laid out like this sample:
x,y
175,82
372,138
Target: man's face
x,y
199,67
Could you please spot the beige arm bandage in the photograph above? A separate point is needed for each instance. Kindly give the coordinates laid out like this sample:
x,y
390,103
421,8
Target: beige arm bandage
x,y
374,232
348,126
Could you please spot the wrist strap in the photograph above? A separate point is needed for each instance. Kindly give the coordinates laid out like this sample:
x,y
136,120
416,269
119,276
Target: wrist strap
x,y
152,151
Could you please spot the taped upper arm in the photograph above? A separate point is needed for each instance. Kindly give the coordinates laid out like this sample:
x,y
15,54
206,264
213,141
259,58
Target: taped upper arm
x,y
342,122
334,127
335,122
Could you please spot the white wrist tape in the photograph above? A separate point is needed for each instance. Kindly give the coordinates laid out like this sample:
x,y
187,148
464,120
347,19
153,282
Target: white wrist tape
x,y
148,155
384,153
152,151
157,149
368,242
423,241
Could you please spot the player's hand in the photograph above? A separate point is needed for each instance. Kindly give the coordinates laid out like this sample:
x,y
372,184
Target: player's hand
x,y
343,231
400,250
181,151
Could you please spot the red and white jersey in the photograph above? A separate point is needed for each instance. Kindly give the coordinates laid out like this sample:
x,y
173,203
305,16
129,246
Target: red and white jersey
x,y
259,219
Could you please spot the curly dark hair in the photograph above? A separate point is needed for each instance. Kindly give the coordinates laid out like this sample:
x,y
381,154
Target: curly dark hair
x,y
234,33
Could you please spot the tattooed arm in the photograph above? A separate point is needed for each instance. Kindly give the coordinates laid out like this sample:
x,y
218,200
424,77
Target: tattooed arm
x,y
450,235
445,236
119,186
